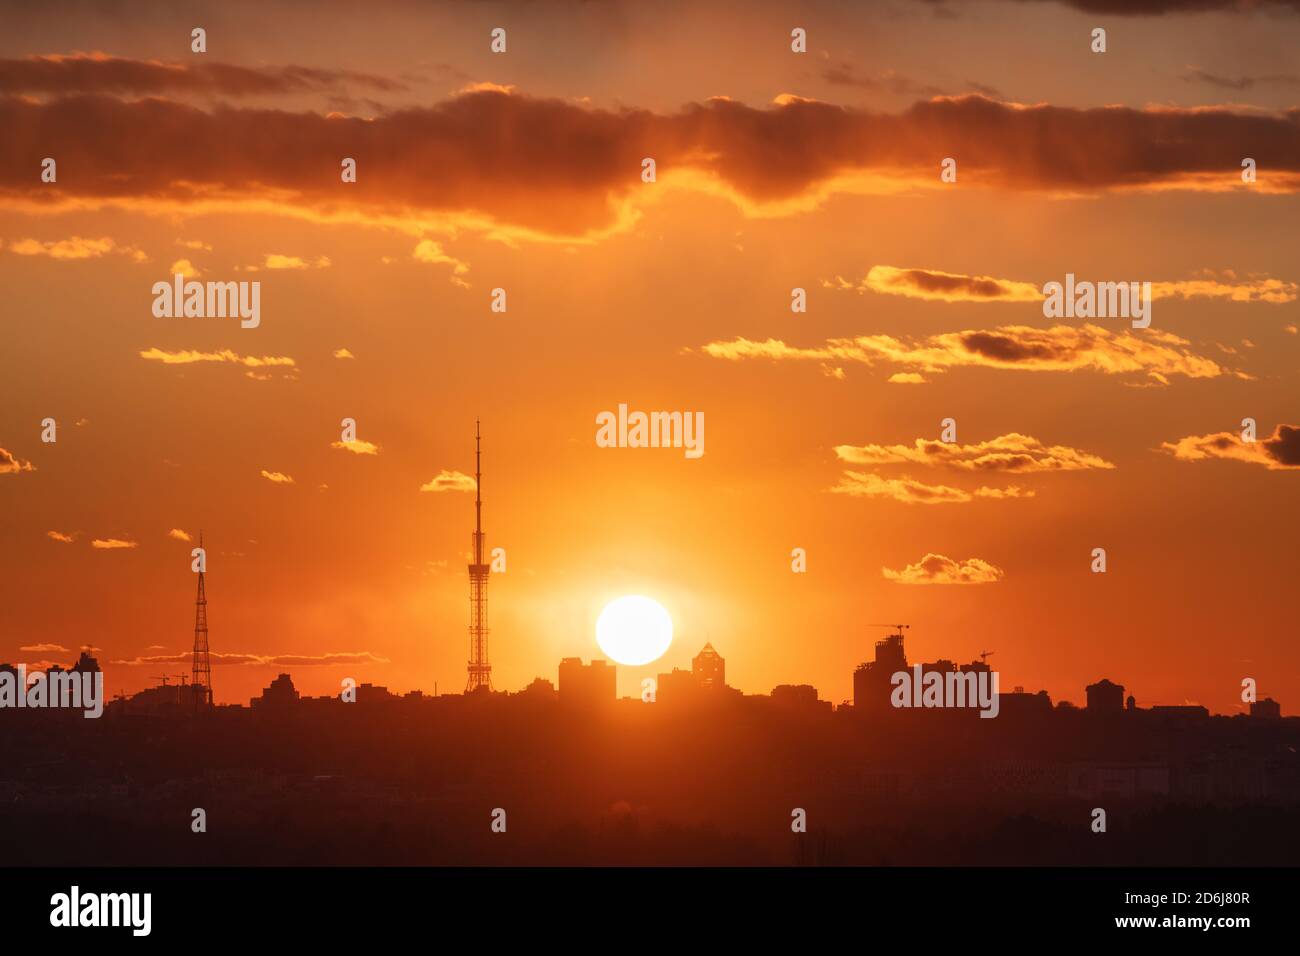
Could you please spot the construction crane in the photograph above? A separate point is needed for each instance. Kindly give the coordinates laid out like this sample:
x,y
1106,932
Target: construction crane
x,y
985,655
899,627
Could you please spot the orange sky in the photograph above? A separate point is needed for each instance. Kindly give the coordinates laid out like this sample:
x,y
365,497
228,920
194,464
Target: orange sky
x,y
522,171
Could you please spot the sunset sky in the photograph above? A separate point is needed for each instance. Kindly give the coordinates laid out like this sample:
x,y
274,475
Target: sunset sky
x,y
775,170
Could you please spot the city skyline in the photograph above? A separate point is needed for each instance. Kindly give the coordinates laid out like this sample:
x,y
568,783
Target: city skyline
x,y
802,270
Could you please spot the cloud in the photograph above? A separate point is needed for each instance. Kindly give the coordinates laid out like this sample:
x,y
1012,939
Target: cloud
x,y
1012,453
179,535
937,569
190,356
274,660
61,537
1279,452
943,286
907,378
1143,8
519,165
860,484
356,447
75,248
100,72
450,481
277,477
11,464
111,544
936,286
184,268
1195,74
343,354
1061,348
196,244
1011,491
277,261
431,252
44,649
844,73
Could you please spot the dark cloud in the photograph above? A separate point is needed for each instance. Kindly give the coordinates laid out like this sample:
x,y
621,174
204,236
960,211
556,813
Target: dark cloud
x,y
1284,446
560,168
1240,83
101,73
1138,8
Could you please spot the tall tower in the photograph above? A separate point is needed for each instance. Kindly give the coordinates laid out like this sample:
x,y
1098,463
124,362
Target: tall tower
x,y
480,671
202,681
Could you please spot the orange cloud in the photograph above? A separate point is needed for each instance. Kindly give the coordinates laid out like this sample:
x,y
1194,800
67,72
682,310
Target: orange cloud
x,y
61,537
11,464
450,481
937,569
1061,348
179,535
111,544
190,356
75,248
277,261
1280,451
278,660
860,484
936,286
1012,453
942,286
356,447
277,477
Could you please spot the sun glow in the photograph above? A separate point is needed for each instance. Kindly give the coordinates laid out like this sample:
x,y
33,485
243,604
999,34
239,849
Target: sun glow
x,y
634,630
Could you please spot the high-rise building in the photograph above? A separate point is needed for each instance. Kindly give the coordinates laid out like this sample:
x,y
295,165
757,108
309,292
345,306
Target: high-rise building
x,y
871,681
587,685
709,668
480,671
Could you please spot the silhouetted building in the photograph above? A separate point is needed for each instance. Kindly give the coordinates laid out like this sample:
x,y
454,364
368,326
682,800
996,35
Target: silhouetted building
x,y
871,680
1180,712
1267,708
85,664
279,695
1105,697
709,668
587,685
1019,704
540,687
799,697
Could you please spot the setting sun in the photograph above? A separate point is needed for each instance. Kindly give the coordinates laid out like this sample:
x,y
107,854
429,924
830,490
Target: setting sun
x,y
634,630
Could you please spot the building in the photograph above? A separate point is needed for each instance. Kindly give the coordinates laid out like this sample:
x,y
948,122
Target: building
x,y
709,668
279,695
1267,708
1105,697
871,681
587,685
704,682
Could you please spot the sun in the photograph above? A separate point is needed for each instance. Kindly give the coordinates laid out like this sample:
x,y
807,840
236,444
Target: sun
x,y
634,630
